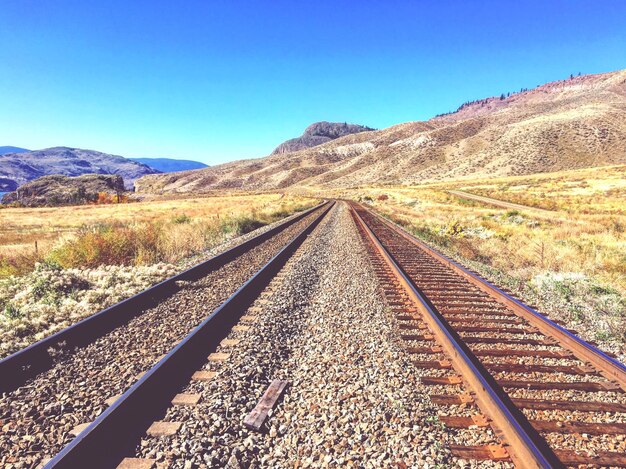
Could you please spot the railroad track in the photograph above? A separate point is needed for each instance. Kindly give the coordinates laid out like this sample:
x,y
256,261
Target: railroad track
x,y
552,399
237,276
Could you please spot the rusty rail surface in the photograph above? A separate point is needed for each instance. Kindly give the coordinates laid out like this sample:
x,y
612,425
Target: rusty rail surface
x,y
474,323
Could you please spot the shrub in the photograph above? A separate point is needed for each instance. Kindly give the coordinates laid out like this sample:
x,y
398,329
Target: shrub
x,y
12,312
181,219
248,224
103,244
18,264
454,228
281,213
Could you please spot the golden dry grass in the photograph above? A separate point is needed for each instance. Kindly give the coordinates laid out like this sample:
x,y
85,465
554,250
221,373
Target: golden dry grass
x,y
182,225
21,227
584,232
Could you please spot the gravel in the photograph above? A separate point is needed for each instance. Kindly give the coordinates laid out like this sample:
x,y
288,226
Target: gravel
x,y
353,398
37,418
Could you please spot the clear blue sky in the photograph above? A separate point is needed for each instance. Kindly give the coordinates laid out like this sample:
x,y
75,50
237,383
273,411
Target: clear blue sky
x,y
222,80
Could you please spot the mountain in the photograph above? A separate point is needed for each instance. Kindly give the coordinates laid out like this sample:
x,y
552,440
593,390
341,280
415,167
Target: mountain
x,y
575,123
170,165
318,133
24,167
9,149
62,190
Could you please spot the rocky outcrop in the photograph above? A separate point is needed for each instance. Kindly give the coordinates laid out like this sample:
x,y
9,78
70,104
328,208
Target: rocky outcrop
x,y
318,133
63,190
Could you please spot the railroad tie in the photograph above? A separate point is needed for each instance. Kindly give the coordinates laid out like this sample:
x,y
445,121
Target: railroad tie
x,y
439,380
186,399
458,421
481,452
255,419
218,357
79,428
229,342
109,402
160,428
136,463
425,350
249,318
203,375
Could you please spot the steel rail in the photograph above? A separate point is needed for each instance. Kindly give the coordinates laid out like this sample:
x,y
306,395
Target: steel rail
x,y
610,368
28,362
114,432
526,447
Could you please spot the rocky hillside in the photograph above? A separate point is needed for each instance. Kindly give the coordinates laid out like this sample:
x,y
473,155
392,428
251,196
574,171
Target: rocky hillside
x,y
63,190
318,133
23,167
574,123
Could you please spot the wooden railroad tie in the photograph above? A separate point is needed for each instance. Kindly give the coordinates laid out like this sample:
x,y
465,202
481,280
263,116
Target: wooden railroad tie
x,y
203,375
137,463
186,399
79,428
163,428
112,399
255,419
229,342
218,357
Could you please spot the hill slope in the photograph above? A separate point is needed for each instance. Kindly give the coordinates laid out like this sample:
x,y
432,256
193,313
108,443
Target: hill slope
x,y
569,124
318,133
24,167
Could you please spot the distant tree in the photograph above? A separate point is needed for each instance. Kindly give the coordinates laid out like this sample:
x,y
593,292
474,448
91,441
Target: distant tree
x,y
502,97
578,73
571,76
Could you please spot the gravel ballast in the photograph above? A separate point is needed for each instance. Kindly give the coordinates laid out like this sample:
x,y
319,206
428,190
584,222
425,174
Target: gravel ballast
x,y
353,398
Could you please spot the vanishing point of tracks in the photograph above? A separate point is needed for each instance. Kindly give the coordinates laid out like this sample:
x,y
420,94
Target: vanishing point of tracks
x,y
553,399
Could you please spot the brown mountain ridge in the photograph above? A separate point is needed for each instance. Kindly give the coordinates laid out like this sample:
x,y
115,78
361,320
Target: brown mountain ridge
x,y
575,123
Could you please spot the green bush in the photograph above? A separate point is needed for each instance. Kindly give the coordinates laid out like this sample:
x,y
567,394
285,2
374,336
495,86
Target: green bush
x,y
12,312
248,224
181,219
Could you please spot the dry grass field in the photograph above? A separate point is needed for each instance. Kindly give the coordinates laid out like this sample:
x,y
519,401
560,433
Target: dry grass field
x,y
182,226
570,261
